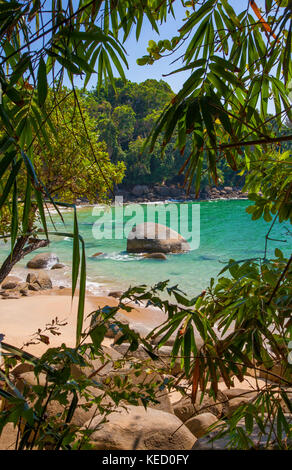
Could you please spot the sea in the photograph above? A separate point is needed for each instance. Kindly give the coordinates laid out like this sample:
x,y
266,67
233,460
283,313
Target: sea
x,y
217,231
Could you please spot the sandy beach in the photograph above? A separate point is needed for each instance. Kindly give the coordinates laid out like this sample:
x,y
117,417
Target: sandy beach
x,y
21,318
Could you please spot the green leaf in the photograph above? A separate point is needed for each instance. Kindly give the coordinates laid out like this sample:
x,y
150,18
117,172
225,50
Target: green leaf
x,y
10,182
42,82
97,335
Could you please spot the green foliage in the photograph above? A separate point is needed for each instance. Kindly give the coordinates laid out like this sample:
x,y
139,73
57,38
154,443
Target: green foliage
x,y
69,381
237,62
240,325
269,185
224,102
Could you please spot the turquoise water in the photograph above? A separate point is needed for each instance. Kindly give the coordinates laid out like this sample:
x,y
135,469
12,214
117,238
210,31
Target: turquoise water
x,y
226,231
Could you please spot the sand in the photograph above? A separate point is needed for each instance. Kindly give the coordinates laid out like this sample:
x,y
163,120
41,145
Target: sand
x,y
21,318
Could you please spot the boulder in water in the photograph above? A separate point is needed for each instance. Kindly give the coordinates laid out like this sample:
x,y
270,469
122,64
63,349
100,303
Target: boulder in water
x,y
95,255
155,256
149,237
58,266
43,260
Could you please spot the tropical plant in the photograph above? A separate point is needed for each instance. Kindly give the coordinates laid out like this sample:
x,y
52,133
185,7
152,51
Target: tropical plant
x,y
237,62
65,167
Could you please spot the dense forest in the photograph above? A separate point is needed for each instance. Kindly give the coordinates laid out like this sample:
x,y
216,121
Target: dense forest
x,y
124,117
58,144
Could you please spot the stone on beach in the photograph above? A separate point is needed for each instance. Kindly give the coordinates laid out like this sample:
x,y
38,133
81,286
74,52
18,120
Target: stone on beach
x,y
43,260
184,409
44,280
149,237
164,354
140,189
199,424
39,281
31,277
137,428
10,294
257,438
136,380
115,293
10,282
58,266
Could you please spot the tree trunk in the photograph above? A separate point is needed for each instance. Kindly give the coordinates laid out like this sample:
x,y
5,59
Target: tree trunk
x,y
19,251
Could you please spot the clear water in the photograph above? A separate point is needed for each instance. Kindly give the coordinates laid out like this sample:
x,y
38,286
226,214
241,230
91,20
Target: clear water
x,y
226,231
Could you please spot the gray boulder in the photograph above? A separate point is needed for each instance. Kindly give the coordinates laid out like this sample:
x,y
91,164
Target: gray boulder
x,y
149,237
44,281
10,282
185,409
155,256
58,266
199,424
259,440
140,189
135,428
43,260
164,354
136,380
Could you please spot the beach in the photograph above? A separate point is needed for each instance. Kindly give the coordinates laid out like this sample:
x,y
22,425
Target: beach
x,y
21,318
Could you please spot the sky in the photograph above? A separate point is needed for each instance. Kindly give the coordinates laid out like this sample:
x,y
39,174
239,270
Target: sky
x,y
163,66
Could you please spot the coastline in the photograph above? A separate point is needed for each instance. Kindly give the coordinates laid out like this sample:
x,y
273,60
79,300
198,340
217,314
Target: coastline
x,y
165,194
21,318
102,287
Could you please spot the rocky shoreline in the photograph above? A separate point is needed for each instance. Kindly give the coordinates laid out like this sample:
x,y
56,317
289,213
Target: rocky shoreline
x,y
143,193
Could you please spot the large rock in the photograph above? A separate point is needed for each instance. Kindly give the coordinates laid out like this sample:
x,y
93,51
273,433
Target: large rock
x,y
97,366
44,280
135,383
139,190
149,237
162,191
155,256
82,413
113,329
185,409
58,266
43,260
31,277
8,437
237,402
10,282
10,294
258,439
135,428
198,425
164,354
115,293
239,392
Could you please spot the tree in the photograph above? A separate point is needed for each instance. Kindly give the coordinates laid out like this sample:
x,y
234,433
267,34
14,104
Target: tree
x,y
65,167
237,61
124,120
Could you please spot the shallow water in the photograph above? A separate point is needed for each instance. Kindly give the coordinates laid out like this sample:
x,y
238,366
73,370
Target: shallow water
x,y
226,231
